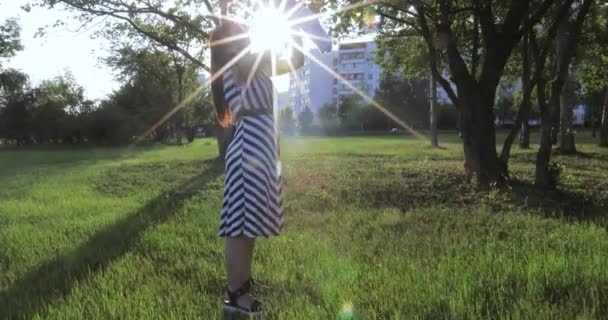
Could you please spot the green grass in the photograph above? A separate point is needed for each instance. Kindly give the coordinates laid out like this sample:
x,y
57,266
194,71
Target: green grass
x,y
376,228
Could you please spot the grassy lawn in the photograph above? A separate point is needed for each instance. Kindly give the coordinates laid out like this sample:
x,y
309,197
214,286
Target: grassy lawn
x,y
376,228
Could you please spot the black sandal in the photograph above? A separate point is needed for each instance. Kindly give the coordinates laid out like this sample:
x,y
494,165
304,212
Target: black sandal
x,y
232,307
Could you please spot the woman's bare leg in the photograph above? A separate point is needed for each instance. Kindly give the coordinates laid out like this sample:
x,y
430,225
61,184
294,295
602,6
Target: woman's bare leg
x,y
239,254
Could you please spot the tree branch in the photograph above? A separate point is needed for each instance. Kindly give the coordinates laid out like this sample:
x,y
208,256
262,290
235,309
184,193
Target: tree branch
x,y
426,34
155,37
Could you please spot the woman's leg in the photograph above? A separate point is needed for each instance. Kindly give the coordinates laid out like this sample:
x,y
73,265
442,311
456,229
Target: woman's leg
x,y
239,254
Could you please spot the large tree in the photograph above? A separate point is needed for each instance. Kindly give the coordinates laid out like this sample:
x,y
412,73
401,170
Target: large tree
x,y
550,89
475,38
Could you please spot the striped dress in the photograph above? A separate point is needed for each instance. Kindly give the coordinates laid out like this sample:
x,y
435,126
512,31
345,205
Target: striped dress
x,y
253,197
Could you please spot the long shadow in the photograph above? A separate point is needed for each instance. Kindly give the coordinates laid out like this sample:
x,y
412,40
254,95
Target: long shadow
x,y
56,278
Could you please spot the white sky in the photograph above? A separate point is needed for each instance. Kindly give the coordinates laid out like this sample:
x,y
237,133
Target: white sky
x,y
60,50
64,49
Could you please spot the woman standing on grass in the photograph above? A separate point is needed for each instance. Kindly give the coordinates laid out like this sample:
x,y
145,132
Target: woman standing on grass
x,y
253,199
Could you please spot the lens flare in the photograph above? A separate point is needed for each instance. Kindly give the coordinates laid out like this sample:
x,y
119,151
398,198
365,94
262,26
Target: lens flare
x,y
269,29
347,312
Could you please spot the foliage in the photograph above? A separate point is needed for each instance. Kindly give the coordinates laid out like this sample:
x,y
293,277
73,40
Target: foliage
x,y
10,39
328,117
181,26
592,53
349,113
405,98
288,121
305,120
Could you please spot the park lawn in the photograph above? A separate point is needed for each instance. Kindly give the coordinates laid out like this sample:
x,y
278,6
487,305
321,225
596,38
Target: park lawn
x,y
376,228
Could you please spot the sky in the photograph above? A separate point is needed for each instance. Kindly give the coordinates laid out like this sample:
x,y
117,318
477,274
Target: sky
x,y
64,49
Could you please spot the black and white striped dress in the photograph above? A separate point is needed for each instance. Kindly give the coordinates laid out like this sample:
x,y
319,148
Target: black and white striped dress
x,y
253,196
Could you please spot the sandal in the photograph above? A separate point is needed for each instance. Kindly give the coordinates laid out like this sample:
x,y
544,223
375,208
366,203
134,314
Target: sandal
x,y
232,307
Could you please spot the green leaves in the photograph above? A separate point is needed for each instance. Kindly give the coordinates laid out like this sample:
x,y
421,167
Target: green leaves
x,y
10,38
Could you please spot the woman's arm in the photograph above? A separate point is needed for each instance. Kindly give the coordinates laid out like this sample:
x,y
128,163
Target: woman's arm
x,y
297,59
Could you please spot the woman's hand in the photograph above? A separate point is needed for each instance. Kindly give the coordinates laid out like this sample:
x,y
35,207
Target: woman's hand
x,y
297,58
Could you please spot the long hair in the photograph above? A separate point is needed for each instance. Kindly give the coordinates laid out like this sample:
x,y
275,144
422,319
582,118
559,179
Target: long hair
x,y
220,56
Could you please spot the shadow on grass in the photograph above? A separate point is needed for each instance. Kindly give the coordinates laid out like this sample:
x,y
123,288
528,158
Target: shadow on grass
x,y
56,278
558,203
52,160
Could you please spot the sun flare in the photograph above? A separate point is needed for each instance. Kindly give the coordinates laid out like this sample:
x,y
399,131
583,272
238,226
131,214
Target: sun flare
x,y
269,29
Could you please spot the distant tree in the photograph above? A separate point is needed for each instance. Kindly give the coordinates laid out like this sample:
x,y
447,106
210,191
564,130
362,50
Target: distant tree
x,y
288,121
305,119
349,113
12,83
109,124
58,102
155,85
328,117
16,103
406,99
199,115
178,28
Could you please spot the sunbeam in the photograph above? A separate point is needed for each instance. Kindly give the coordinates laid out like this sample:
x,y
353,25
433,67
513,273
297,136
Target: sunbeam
x,y
282,14
361,93
226,40
183,103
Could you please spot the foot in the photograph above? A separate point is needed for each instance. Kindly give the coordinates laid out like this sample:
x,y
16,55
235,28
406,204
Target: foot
x,y
242,302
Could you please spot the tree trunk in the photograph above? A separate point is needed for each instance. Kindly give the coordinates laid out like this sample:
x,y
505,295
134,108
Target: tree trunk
x,y
604,125
543,178
593,122
523,111
479,139
433,111
566,135
223,135
179,116
524,136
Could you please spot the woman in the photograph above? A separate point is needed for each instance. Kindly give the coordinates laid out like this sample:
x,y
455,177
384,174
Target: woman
x,y
253,200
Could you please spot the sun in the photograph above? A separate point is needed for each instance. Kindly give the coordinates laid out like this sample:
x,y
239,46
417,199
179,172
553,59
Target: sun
x,y
269,30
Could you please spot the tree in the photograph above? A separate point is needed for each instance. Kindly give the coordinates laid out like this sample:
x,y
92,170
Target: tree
x,y
433,111
476,44
328,117
10,39
549,101
155,85
288,121
536,49
407,99
180,27
348,113
566,42
591,63
305,119
16,101
58,101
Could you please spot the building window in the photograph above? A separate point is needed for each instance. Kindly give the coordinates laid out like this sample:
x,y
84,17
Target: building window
x,y
370,76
